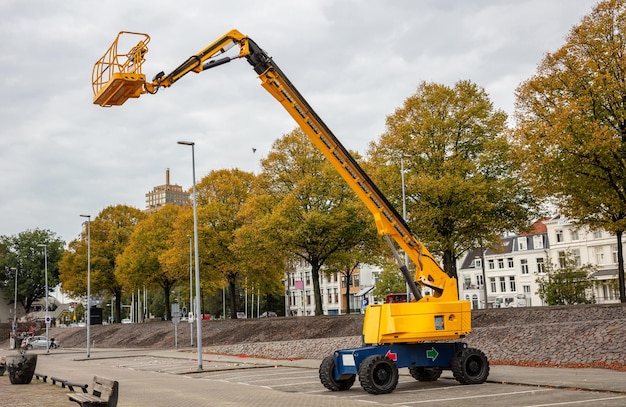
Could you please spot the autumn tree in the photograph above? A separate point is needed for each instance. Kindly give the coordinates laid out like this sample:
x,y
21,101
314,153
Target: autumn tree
x,y
24,253
461,185
313,212
227,259
143,261
572,124
110,232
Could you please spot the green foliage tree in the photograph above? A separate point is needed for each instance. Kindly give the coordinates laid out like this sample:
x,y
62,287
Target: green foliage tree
x,y
389,281
231,257
567,283
306,208
110,232
24,253
367,250
143,261
572,124
461,184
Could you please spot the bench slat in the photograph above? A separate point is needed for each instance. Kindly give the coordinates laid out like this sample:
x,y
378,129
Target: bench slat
x,y
104,392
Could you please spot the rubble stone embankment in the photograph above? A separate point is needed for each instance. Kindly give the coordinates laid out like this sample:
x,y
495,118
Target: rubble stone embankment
x,y
566,336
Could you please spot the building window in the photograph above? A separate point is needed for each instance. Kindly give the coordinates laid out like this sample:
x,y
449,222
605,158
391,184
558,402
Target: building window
x,y
538,242
500,263
510,262
479,280
522,244
574,234
599,255
597,234
502,284
559,236
491,264
526,290
614,253
343,281
540,265
524,264
336,296
357,281
492,283
308,297
478,263
562,259
576,257
512,284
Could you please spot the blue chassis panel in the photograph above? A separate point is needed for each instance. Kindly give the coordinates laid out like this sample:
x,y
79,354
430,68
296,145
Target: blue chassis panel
x,y
423,354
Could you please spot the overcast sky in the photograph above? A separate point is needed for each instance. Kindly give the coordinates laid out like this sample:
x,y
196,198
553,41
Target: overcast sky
x,y
354,61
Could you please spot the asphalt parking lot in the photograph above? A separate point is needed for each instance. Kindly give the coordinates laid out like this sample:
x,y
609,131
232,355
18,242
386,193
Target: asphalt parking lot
x,y
171,378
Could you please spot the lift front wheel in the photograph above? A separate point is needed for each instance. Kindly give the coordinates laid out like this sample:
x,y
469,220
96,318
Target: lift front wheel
x,y
470,366
327,376
378,374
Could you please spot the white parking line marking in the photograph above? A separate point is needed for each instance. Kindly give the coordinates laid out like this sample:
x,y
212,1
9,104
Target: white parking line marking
x,y
568,403
472,397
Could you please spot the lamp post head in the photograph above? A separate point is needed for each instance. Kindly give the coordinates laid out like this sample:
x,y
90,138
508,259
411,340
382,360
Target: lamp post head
x,y
186,143
85,216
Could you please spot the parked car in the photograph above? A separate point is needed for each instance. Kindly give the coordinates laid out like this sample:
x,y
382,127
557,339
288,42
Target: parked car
x,y
39,342
268,314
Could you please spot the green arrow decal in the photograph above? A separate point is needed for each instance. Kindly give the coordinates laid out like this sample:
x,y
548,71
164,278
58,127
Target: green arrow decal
x,y
432,354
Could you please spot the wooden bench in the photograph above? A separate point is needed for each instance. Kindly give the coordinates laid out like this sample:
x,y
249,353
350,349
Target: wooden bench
x,y
71,385
41,377
56,379
103,393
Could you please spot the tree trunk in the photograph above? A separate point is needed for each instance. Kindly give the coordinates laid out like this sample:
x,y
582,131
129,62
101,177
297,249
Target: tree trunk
x,y
620,266
232,295
168,308
118,305
449,263
347,276
315,275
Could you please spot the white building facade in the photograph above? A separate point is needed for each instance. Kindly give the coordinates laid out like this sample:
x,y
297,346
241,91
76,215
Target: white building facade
x,y
300,294
511,271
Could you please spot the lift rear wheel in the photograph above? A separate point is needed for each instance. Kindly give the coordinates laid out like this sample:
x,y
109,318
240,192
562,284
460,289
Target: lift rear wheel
x,y
425,374
327,376
470,366
378,374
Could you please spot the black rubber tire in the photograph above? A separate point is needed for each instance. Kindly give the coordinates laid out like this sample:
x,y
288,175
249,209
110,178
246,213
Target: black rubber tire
x,y
470,366
425,374
327,379
378,374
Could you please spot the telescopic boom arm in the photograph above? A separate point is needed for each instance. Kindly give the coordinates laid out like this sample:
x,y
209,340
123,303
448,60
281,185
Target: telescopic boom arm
x,y
116,81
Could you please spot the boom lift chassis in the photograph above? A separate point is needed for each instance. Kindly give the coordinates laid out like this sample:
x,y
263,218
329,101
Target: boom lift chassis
x,y
420,335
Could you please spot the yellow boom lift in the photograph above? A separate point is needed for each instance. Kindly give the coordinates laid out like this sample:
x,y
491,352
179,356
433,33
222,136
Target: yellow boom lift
x,y
420,335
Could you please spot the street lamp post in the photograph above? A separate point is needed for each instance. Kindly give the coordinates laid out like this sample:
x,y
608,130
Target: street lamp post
x,y
197,262
45,254
88,283
15,310
190,290
406,256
